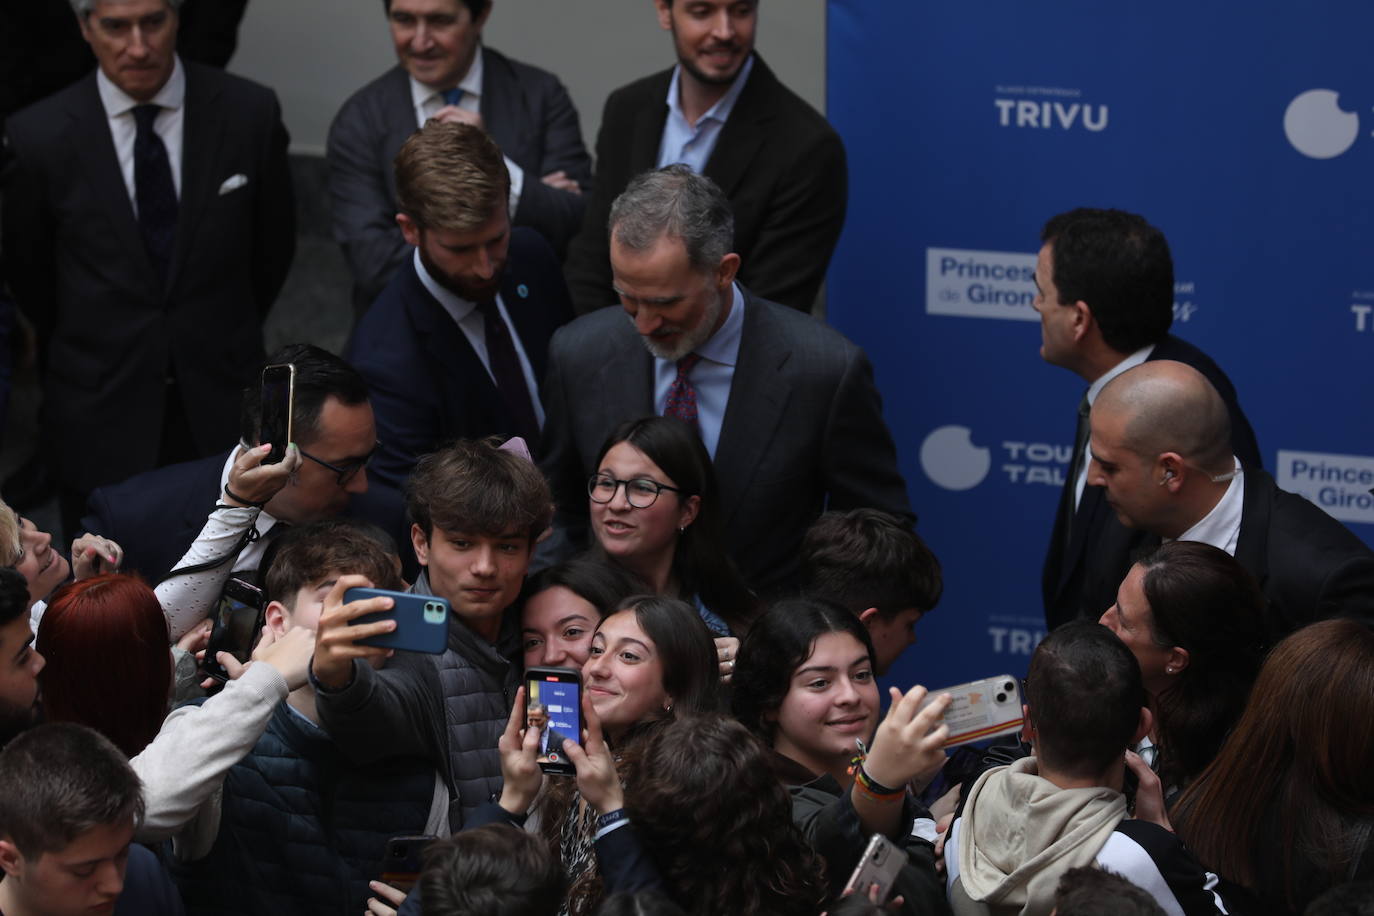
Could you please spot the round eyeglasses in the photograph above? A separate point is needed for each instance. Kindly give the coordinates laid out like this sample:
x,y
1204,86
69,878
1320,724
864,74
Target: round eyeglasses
x,y
640,492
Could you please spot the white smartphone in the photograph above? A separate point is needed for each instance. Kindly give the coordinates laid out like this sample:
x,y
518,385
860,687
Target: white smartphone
x,y
981,709
881,862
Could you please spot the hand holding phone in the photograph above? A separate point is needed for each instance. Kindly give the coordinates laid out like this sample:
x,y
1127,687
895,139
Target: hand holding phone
x,y
336,639
982,709
597,780
909,743
421,620
521,776
403,862
276,406
878,868
238,621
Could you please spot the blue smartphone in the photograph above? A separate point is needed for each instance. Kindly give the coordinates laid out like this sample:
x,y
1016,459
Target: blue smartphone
x,y
421,620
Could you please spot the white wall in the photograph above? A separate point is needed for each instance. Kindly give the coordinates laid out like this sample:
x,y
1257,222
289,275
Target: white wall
x,y
315,53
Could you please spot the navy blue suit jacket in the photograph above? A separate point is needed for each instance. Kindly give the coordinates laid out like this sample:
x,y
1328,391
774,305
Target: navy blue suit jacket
x,y
426,383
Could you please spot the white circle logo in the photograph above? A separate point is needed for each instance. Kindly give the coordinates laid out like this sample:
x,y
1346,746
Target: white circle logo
x,y
949,457
1316,125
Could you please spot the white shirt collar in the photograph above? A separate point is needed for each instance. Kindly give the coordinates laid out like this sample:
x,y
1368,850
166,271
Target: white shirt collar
x,y
724,105
1130,362
453,303
471,83
118,102
723,346
1221,526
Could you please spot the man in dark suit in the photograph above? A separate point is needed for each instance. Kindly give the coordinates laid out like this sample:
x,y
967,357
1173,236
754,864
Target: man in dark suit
x,y
455,346
446,72
722,112
158,515
785,405
148,225
1106,292
1161,449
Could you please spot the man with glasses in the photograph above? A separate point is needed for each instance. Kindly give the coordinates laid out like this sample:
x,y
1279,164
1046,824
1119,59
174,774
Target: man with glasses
x,y
229,507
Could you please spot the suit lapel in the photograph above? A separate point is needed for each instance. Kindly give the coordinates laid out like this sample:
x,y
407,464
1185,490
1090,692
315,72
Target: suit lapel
x,y
465,381
527,314
202,133
647,133
755,406
744,131
398,112
90,132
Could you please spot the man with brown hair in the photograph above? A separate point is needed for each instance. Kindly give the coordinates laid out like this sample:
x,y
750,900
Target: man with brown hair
x,y
455,346
476,511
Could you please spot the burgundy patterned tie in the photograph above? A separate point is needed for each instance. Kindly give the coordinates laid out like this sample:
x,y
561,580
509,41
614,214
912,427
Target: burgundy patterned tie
x,y
505,368
682,397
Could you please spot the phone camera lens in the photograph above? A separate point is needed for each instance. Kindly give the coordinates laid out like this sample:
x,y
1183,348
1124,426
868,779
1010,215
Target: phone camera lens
x,y
1001,697
1008,686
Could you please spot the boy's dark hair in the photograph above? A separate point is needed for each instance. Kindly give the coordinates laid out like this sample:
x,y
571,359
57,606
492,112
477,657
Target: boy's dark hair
x,y
1120,266
496,870
308,554
1085,695
14,594
1092,891
474,487
319,375
60,780
866,558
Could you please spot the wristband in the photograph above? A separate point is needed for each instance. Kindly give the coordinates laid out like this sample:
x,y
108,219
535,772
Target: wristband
x,y
610,819
873,790
247,503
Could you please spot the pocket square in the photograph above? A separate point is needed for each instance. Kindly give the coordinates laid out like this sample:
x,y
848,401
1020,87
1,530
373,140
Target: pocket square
x,y
233,183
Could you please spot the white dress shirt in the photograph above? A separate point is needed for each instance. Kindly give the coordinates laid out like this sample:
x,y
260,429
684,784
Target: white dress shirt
x,y
119,109
692,144
711,377
471,323
1221,526
1130,362
428,100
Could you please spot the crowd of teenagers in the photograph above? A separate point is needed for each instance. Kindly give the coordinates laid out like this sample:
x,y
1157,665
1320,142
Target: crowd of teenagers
x,y
735,755
507,612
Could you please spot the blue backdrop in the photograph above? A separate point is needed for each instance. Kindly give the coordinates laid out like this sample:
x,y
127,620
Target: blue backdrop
x,y
1246,137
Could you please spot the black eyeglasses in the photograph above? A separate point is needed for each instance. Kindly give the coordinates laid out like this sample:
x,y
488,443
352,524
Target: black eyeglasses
x,y
344,472
640,492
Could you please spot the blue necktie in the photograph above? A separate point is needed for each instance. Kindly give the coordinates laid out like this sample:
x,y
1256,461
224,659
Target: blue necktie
x,y
154,191
453,96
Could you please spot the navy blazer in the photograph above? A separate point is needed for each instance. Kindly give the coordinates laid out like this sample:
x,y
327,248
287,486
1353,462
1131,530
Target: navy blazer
x,y
1085,564
528,113
426,383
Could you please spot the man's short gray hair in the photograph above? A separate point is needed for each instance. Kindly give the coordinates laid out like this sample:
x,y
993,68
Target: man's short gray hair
x,y
82,8
676,202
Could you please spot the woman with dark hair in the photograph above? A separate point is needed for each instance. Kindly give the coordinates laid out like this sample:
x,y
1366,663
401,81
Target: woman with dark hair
x,y
562,606
109,666
718,822
805,685
655,511
1286,810
1191,615
650,661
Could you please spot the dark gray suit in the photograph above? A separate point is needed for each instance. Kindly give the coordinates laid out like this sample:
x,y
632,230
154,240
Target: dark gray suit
x,y
803,429
527,112
79,268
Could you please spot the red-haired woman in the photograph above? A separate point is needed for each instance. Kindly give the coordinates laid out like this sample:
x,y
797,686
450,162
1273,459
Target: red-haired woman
x,y
1287,808
109,666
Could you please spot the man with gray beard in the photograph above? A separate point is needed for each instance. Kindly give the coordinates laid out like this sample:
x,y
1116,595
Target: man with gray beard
x,y
785,405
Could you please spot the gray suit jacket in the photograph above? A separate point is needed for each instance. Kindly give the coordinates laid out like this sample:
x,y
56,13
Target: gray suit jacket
x,y
527,112
803,429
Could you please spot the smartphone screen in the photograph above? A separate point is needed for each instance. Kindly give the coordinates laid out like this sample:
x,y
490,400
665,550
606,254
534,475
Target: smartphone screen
x,y
238,620
278,390
553,704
